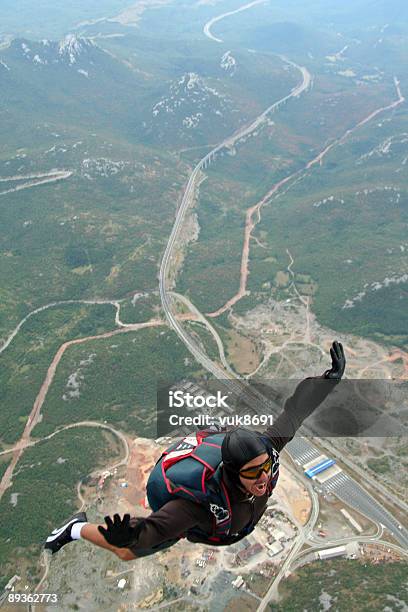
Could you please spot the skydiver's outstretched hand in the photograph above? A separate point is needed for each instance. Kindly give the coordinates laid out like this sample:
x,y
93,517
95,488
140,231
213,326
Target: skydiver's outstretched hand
x,y
119,532
338,362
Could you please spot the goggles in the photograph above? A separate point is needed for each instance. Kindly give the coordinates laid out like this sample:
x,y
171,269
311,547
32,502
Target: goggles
x,y
253,473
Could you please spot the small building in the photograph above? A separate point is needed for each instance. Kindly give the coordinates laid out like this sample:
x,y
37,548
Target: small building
x,y
278,534
274,549
121,583
330,553
238,582
351,520
12,580
320,467
328,473
313,462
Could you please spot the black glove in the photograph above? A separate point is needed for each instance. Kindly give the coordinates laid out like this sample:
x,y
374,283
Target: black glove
x,y
119,532
338,362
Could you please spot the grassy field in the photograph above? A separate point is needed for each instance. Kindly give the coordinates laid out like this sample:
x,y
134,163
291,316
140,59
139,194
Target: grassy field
x,y
204,338
374,587
352,211
226,97
90,237
25,362
116,379
141,307
4,463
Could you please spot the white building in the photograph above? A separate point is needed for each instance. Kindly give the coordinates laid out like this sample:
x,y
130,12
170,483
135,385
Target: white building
x,y
275,548
12,580
278,534
353,522
238,582
329,553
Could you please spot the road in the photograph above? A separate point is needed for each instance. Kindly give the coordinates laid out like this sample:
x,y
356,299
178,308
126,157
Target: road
x,y
44,177
210,23
304,534
187,201
200,317
115,302
15,331
374,483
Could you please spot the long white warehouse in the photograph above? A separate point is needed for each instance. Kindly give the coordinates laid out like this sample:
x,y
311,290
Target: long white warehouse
x,y
329,553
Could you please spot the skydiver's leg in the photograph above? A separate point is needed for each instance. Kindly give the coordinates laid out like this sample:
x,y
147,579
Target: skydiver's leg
x,y
77,527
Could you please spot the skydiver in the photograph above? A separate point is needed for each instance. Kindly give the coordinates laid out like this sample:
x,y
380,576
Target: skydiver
x,y
218,507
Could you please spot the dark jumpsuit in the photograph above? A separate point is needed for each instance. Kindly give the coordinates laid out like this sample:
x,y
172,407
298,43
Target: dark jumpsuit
x,y
173,521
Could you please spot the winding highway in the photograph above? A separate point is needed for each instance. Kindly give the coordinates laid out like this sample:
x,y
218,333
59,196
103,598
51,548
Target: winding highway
x,y
187,200
346,487
209,24
230,380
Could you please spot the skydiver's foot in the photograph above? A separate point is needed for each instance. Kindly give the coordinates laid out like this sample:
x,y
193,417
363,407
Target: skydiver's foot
x,y
62,535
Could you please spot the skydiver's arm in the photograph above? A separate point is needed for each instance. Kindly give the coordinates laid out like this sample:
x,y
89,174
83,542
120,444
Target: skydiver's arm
x,y
308,395
169,522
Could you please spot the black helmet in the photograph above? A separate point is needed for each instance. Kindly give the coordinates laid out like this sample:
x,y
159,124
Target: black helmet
x,y
238,447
